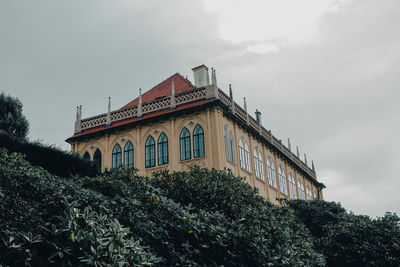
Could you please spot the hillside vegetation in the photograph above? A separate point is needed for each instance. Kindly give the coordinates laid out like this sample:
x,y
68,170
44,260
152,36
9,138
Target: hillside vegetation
x,y
201,217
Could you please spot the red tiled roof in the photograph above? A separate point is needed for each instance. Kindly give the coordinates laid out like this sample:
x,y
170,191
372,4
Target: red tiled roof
x,y
145,116
164,89
160,90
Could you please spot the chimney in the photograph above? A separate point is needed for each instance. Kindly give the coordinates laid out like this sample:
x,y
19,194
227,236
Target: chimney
x,y
201,78
258,116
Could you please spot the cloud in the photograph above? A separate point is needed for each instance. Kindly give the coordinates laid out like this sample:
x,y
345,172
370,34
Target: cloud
x,y
334,94
338,97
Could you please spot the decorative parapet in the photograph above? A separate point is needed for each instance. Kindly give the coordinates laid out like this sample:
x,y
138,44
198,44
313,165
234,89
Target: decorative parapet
x,y
148,107
191,96
243,115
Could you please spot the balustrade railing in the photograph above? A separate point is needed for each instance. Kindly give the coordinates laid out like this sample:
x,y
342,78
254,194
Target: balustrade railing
x,y
147,107
186,97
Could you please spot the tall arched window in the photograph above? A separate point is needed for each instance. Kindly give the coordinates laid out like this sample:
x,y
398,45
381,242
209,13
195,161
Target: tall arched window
x,y
162,149
227,149
150,152
231,147
128,154
255,161
86,156
97,160
241,153
261,165
271,172
282,180
116,156
301,190
184,141
292,187
198,141
247,157
309,194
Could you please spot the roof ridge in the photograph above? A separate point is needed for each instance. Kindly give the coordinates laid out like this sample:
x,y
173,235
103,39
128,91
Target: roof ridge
x,y
184,83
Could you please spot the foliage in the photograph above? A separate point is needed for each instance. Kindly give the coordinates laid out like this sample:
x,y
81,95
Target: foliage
x,y
347,239
12,121
253,225
52,159
200,217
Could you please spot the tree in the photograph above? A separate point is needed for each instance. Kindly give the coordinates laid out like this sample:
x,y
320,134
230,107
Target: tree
x,y
12,121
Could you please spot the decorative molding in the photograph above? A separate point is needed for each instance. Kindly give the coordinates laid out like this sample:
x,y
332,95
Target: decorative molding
x,y
185,165
150,171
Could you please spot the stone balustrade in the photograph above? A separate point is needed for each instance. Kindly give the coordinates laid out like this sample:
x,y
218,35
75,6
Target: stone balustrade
x,y
191,96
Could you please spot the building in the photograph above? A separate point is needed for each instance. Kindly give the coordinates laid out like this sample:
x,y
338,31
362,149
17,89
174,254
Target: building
x,y
176,124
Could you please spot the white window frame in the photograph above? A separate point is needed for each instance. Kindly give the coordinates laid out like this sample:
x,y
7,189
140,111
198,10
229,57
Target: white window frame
x,y
261,166
282,180
301,190
292,187
271,172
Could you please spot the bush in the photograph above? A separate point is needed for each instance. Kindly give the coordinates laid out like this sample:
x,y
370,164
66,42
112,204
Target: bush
x,y
12,121
52,159
347,239
37,205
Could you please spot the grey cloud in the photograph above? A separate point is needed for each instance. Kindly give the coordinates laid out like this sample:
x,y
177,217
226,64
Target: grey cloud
x,y
335,97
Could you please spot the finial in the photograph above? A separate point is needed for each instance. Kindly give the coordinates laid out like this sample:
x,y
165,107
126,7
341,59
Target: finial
x,y
258,116
288,141
230,91
108,118
139,108
244,104
305,158
78,122
312,166
173,100
298,153
77,113
213,77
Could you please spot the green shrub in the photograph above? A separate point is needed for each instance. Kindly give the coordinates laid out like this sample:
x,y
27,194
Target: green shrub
x,y
347,239
52,159
12,121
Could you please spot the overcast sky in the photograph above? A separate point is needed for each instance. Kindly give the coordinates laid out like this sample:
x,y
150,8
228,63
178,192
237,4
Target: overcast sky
x,y
323,72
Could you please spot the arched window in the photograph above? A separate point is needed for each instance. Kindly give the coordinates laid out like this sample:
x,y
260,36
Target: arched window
x,y
128,154
292,187
116,156
162,149
241,154
301,190
309,194
97,160
227,149
198,141
255,160
261,165
150,152
282,180
271,172
86,156
247,157
184,139
231,147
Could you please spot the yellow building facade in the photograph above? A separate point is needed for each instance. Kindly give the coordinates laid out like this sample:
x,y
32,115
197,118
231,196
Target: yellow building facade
x,y
177,124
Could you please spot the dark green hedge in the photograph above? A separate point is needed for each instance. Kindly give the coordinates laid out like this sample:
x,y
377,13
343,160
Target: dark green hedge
x,y
347,239
52,159
196,218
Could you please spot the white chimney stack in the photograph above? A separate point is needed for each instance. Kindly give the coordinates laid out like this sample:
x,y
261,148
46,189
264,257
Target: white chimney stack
x,y
201,78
